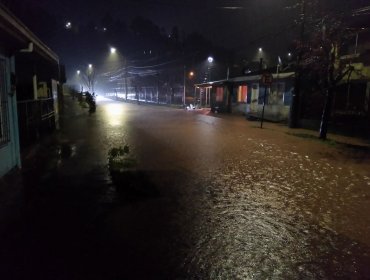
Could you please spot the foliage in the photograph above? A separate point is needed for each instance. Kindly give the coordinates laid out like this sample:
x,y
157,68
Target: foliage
x,y
323,34
90,100
119,160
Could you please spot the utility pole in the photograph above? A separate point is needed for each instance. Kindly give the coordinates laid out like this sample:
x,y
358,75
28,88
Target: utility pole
x,y
126,88
294,108
184,94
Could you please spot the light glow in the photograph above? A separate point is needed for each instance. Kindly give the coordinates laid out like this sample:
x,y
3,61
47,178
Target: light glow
x,y
210,59
114,114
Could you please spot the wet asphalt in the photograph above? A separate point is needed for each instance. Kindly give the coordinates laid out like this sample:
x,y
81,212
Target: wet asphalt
x,y
209,198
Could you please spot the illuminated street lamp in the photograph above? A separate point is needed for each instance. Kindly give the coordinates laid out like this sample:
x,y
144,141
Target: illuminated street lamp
x,y
260,54
90,66
113,50
190,75
78,72
210,62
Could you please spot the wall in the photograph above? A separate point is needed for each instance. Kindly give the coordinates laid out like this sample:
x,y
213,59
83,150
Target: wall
x,y
9,152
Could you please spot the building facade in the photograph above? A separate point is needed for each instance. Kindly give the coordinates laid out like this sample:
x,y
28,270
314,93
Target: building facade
x,y
29,89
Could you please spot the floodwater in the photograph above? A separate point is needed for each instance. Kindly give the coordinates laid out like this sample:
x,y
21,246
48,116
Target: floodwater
x,y
227,200
253,205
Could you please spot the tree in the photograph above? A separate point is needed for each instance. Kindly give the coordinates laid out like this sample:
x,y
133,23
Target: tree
x,y
318,55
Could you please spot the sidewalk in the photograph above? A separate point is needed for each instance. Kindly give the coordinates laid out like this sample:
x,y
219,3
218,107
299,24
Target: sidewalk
x,y
31,199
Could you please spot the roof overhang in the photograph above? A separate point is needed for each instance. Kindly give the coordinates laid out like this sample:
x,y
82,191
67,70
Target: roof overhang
x,y
245,79
16,36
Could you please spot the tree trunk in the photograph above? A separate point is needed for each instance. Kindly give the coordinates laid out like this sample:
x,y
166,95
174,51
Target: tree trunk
x,y
294,106
326,113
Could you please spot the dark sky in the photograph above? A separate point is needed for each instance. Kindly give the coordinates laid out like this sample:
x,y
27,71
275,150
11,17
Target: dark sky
x,y
240,25
237,24
231,23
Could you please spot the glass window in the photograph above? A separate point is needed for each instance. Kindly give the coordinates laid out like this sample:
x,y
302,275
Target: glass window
x,y
242,93
219,94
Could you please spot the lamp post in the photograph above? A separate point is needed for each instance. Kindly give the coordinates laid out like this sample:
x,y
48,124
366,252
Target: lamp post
x,y
260,53
191,75
184,93
210,61
90,78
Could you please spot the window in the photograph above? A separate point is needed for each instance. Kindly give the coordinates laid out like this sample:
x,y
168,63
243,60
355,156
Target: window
x,y
4,127
287,97
242,93
276,94
261,94
219,94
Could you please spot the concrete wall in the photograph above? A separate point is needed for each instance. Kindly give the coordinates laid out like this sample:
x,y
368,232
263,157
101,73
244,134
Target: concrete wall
x,y
276,113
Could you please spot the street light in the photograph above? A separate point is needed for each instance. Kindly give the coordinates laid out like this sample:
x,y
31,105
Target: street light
x,y
113,50
260,57
78,72
90,66
210,61
190,75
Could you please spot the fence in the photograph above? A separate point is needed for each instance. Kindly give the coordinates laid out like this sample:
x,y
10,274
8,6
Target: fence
x,y
35,118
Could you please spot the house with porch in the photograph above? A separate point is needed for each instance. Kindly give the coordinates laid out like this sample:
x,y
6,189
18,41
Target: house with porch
x,y
246,95
30,83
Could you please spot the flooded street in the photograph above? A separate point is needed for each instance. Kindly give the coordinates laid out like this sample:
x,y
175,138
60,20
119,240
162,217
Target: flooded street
x,y
253,205
229,201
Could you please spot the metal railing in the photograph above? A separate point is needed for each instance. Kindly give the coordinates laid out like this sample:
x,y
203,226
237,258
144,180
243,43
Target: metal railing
x,y
4,122
35,117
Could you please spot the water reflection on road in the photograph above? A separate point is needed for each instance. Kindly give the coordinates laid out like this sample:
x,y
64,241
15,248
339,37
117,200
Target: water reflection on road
x,y
236,202
276,222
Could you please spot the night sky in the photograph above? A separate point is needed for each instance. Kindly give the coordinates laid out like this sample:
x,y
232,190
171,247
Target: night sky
x,y
239,25
233,23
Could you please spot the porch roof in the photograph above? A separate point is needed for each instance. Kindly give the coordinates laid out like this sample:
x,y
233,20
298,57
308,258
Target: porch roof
x,y
244,79
16,36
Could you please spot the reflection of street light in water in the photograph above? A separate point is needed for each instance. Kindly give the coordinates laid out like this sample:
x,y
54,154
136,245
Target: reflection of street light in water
x,y
114,114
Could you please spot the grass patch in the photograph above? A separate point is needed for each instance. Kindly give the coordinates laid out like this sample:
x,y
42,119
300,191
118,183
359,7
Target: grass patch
x,y
328,142
131,183
119,160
